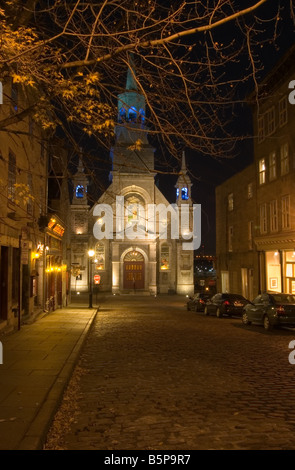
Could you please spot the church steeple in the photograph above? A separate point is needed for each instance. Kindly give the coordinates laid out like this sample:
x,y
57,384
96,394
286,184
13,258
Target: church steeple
x,y
131,103
131,81
183,185
132,152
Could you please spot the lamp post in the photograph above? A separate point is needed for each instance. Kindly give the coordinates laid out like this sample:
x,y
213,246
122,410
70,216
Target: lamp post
x,y
90,254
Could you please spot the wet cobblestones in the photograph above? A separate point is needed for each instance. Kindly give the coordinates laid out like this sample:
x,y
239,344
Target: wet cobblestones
x,y
156,377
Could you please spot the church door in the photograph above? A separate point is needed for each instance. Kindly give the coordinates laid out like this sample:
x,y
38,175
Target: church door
x,y
133,271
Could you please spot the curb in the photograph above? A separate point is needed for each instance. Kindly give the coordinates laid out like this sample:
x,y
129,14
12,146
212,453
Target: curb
x,y
36,433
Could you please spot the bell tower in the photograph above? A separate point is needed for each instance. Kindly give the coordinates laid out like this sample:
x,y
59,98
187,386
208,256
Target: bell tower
x,y
183,185
132,153
80,182
79,219
185,258
79,206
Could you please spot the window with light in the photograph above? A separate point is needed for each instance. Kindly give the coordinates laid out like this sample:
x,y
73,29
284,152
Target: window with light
x,y
262,171
99,257
165,258
79,191
132,113
184,194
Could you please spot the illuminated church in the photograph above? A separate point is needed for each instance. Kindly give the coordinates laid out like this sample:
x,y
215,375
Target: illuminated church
x,y
136,255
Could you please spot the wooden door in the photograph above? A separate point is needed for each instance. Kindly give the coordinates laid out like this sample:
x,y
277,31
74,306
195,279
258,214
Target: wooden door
x,y
133,275
4,283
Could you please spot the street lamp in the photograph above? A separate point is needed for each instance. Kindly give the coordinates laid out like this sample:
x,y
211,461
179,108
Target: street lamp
x,y
90,254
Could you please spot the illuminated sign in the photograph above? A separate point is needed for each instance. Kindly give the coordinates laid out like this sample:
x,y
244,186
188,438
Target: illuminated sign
x,y
56,228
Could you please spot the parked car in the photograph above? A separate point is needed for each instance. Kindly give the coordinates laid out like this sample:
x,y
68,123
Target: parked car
x,y
226,304
197,302
271,310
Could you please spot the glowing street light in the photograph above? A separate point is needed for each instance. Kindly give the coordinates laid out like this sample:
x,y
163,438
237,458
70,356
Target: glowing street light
x,y
90,256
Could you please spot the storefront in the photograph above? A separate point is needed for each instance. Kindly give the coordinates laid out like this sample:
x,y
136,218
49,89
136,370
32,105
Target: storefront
x,y
280,271
273,271
289,271
56,279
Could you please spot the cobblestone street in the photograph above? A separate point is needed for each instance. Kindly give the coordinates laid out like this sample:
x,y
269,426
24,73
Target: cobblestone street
x,y
153,376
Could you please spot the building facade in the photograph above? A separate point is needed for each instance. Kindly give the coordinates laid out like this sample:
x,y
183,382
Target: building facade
x,y
32,268
256,208
23,183
128,230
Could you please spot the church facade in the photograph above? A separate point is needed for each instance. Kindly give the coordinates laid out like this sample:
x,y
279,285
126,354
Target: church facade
x,y
132,239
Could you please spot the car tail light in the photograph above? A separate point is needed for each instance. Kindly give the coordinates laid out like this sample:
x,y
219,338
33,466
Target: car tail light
x,y
226,302
280,310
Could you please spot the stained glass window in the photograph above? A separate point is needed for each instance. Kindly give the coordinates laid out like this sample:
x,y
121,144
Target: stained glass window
x,y
99,257
134,207
165,257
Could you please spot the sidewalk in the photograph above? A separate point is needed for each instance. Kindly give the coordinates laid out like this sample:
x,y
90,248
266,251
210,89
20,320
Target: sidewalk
x,y
37,363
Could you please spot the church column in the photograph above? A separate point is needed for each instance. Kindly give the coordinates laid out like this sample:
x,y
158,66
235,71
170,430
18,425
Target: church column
x,y
153,269
115,269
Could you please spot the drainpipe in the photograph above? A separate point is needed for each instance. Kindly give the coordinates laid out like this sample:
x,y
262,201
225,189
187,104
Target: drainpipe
x,y
282,271
259,271
19,280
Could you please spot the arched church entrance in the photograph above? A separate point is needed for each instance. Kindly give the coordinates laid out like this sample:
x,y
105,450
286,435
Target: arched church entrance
x,y
133,271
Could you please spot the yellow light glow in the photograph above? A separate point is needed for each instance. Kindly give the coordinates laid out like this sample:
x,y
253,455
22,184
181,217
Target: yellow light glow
x,y
91,253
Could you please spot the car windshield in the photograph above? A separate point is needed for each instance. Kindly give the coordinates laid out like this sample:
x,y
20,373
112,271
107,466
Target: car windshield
x,y
284,298
234,297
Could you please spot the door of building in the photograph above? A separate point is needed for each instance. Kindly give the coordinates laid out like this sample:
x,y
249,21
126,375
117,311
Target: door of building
x,y
133,271
4,283
224,281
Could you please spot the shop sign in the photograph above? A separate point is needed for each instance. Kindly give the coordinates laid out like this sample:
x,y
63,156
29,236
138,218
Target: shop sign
x,y
25,252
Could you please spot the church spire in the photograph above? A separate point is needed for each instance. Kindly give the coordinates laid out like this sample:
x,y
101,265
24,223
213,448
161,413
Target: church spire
x,y
131,81
131,132
183,164
80,165
131,103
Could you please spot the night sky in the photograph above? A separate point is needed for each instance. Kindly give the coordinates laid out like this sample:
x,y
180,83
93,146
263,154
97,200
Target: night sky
x,y
207,172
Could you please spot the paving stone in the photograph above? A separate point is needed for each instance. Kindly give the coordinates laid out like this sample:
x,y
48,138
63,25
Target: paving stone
x,y
37,362
164,378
